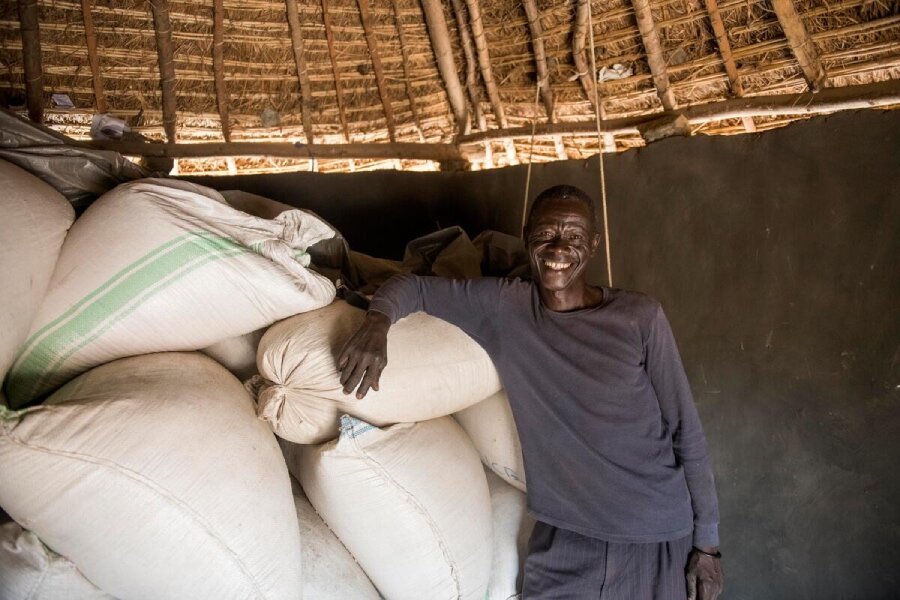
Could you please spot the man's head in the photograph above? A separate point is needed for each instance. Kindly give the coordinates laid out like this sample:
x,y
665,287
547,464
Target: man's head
x,y
561,237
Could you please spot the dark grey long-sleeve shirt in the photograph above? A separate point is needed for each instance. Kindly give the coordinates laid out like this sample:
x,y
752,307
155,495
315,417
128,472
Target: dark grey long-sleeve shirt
x,y
611,439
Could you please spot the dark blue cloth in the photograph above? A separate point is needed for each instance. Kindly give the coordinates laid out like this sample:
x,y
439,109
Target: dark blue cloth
x,y
611,439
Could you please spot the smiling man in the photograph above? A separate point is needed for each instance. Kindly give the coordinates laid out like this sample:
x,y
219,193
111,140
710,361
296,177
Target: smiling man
x,y
619,478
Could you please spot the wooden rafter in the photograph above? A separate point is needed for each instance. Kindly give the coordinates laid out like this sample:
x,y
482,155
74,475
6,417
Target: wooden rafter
x,y
366,20
293,17
802,45
734,81
487,73
653,48
90,38
165,51
583,66
474,92
31,58
404,53
338,85
219,66
873,95
543,73
443,53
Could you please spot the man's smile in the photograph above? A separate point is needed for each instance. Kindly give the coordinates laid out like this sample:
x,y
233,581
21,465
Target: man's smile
x,y
557,266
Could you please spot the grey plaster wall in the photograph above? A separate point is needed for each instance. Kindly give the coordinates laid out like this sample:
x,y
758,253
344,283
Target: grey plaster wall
x,y
777,259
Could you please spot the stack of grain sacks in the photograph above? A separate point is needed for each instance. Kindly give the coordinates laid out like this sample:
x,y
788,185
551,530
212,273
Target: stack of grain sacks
x,y
136,467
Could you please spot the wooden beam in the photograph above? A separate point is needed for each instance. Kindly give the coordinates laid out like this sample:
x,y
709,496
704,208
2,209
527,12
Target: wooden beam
x,y
829,100
165,51
366,20
293,17
801,44
734,81
459,12
536,29
395,150
31,59
655,56
443,53
219,67
586,76
487,73
338,86
404,54
90,38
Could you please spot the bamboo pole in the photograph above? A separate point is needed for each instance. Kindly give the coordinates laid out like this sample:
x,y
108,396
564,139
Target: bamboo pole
x,y
293,17
443,53
338,86
829,100
219,67
372,43
165,51
404,53
31,59
90,38
801,44
487,74
655,57
715,18
364,151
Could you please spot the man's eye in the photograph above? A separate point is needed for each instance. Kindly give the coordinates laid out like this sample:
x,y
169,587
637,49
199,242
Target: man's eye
x,y
576,237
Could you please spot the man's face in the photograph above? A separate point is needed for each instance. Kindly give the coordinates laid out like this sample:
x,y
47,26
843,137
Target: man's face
x,y
561,239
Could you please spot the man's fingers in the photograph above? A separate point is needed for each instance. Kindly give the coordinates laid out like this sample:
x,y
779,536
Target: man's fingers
x,y
355,376
370,380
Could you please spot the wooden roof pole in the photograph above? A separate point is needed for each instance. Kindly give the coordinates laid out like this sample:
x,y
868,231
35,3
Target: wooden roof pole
x,y
372,43
715,18
801,44
165,51
219,66
90,37
443,53
404,52
579,49
293,17
338,86
655,58
459,10
543,73
487,74
31,59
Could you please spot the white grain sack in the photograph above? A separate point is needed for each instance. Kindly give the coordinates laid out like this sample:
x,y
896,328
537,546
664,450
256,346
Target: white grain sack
x,y
329,570
34,219
512,527
31,571
435,369
153,475
492,428
237,354
159,265
410,502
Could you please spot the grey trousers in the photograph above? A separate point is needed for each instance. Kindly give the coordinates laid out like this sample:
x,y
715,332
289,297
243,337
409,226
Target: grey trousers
x,y
563,565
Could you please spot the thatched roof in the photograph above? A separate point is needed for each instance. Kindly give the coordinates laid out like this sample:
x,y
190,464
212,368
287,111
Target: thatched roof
x,y
363,82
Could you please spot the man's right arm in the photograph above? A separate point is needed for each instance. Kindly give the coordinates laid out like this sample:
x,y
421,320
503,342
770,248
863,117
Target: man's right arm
x,y
465,303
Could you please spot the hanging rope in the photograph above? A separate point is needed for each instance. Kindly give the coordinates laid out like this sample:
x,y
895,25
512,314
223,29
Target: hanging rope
x,y
599,144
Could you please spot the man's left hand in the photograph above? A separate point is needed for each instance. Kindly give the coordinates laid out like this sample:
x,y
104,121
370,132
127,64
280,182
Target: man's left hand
x,y
705,578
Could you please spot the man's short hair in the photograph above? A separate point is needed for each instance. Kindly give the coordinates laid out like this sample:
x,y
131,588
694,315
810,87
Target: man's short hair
x,y
563,192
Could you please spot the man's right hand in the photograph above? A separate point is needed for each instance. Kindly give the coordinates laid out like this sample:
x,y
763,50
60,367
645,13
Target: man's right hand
x,y
365,355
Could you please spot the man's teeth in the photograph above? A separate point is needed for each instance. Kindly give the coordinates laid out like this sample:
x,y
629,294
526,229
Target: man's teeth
x,y
557,266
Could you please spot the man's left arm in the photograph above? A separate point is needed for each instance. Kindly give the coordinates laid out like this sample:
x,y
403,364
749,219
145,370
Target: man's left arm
x,y
664,366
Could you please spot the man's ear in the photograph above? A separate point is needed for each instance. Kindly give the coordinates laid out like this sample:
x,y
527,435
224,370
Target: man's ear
x,y
595,243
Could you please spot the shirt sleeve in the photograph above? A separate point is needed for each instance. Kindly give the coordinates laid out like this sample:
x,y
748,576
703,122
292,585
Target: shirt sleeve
x,y
467,303
663,364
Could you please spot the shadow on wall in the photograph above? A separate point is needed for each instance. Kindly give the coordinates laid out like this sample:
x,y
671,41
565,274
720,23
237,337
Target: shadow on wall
x,y
776,257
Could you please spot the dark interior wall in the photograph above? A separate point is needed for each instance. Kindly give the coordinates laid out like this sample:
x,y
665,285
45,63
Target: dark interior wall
x,y
777,259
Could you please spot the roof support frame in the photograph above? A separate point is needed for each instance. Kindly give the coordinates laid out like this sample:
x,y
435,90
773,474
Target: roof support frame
x,y
293,17
165,50
802,45
219,67
655,56
372,42
31,58
536,29
443,53
404,52
90,38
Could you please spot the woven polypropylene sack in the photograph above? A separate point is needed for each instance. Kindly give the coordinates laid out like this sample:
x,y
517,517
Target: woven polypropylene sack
x,y
34,219
512,527
161,265
329,570
434,369
492,428
409,501
31,571
153,475
237,354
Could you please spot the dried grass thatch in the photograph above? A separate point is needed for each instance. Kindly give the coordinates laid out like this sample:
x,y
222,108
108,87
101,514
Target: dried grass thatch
x,y
857,42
